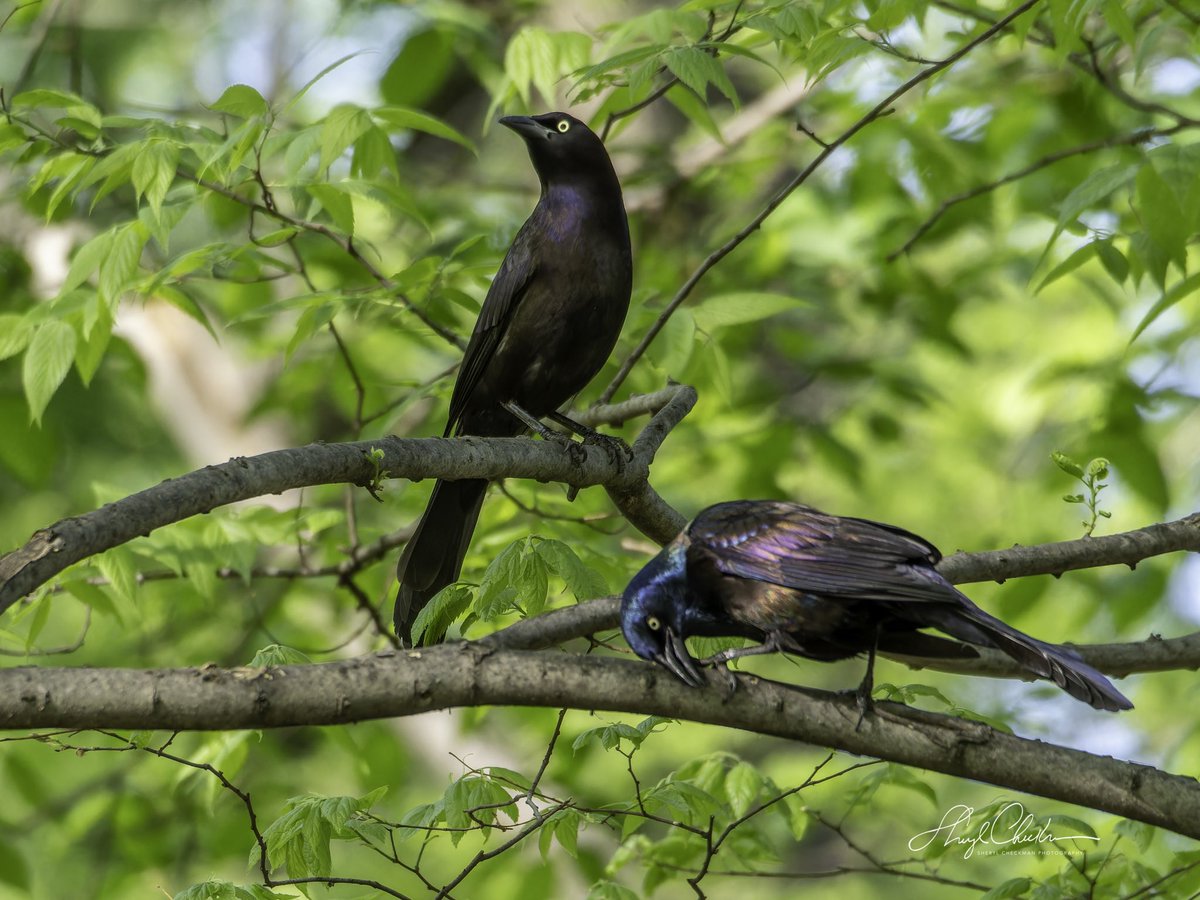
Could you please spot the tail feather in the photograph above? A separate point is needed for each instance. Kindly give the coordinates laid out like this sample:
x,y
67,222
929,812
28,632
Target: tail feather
x,y
1058,664
434,555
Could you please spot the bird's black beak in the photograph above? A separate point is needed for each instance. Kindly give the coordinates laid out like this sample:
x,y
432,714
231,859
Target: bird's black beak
x,y
526,127
676,659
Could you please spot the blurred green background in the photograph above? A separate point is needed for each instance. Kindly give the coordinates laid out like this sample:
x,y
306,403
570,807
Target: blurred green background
x,y
150,325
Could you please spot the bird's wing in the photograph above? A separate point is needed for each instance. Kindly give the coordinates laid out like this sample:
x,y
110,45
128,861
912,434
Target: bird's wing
x,y
804,549
511,281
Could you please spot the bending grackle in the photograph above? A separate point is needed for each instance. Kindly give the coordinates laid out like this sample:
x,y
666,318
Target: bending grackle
x,y
550,319
825,587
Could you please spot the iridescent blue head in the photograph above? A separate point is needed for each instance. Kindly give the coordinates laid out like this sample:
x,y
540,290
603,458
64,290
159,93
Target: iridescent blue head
x,y
653,611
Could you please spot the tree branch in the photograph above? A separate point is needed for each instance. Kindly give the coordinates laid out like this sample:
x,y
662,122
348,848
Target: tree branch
x,y
1125,549
52,549
475,674
880,110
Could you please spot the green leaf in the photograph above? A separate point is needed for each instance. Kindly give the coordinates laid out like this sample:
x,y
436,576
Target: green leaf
x,y
117,567
536,58
299,839
336,64
15,332
1078,827
47,361
1114,260
420,68
242,101
442,611
742,307
11,136
1140,833
46,97
1014,887
1118,20
797,816
154,171
93,597
90,350
344,125
224,890
518,575
1070,264
566,824
1067,464
118,268
1162,216
1170,297
337,203
697,69
583,582
1088,193
742,786
696,110
311,320
87,260
278,655
402,118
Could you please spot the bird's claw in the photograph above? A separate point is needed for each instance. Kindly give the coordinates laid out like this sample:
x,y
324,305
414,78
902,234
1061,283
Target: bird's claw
x,y
720,661
576,451
572,447
619,452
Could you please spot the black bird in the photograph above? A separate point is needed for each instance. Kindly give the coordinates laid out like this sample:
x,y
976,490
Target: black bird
x,y
825,587
550,320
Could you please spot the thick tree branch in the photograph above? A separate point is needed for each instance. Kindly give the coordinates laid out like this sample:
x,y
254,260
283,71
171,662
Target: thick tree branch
x,y
880,110
1125,549
474,674
52,549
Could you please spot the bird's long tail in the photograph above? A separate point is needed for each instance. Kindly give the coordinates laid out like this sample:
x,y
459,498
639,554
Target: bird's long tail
x,y
434,555
1059,664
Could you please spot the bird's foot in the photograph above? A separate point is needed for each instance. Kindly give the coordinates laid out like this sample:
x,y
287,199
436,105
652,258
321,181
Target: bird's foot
x,y
575,450
720,662
619,452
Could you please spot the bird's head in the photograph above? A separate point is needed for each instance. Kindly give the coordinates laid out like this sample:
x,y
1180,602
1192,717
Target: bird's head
x,y
561,147
653,611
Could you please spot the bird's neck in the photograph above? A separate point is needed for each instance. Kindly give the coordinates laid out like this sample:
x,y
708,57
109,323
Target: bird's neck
x,y
598,192
570,206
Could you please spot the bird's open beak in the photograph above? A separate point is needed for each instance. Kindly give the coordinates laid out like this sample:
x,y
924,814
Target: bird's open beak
x,y
526,127
676,659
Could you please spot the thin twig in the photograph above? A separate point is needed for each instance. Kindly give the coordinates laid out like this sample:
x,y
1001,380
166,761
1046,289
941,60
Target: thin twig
x,y
1137,137
57,651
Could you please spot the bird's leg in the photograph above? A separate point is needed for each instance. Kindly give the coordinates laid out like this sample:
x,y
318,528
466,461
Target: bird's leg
x,y
546,433
770,645
618,451
863,695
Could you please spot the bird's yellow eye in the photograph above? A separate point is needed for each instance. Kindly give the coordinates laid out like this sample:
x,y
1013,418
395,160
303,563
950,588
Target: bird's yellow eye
x,y
564,126
652,623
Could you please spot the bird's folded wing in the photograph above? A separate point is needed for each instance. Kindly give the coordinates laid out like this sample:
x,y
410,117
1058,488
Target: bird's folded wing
x,y
503,296
804,549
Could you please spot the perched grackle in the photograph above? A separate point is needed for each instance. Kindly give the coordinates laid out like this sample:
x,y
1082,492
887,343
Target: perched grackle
x,y
825,587
550,319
